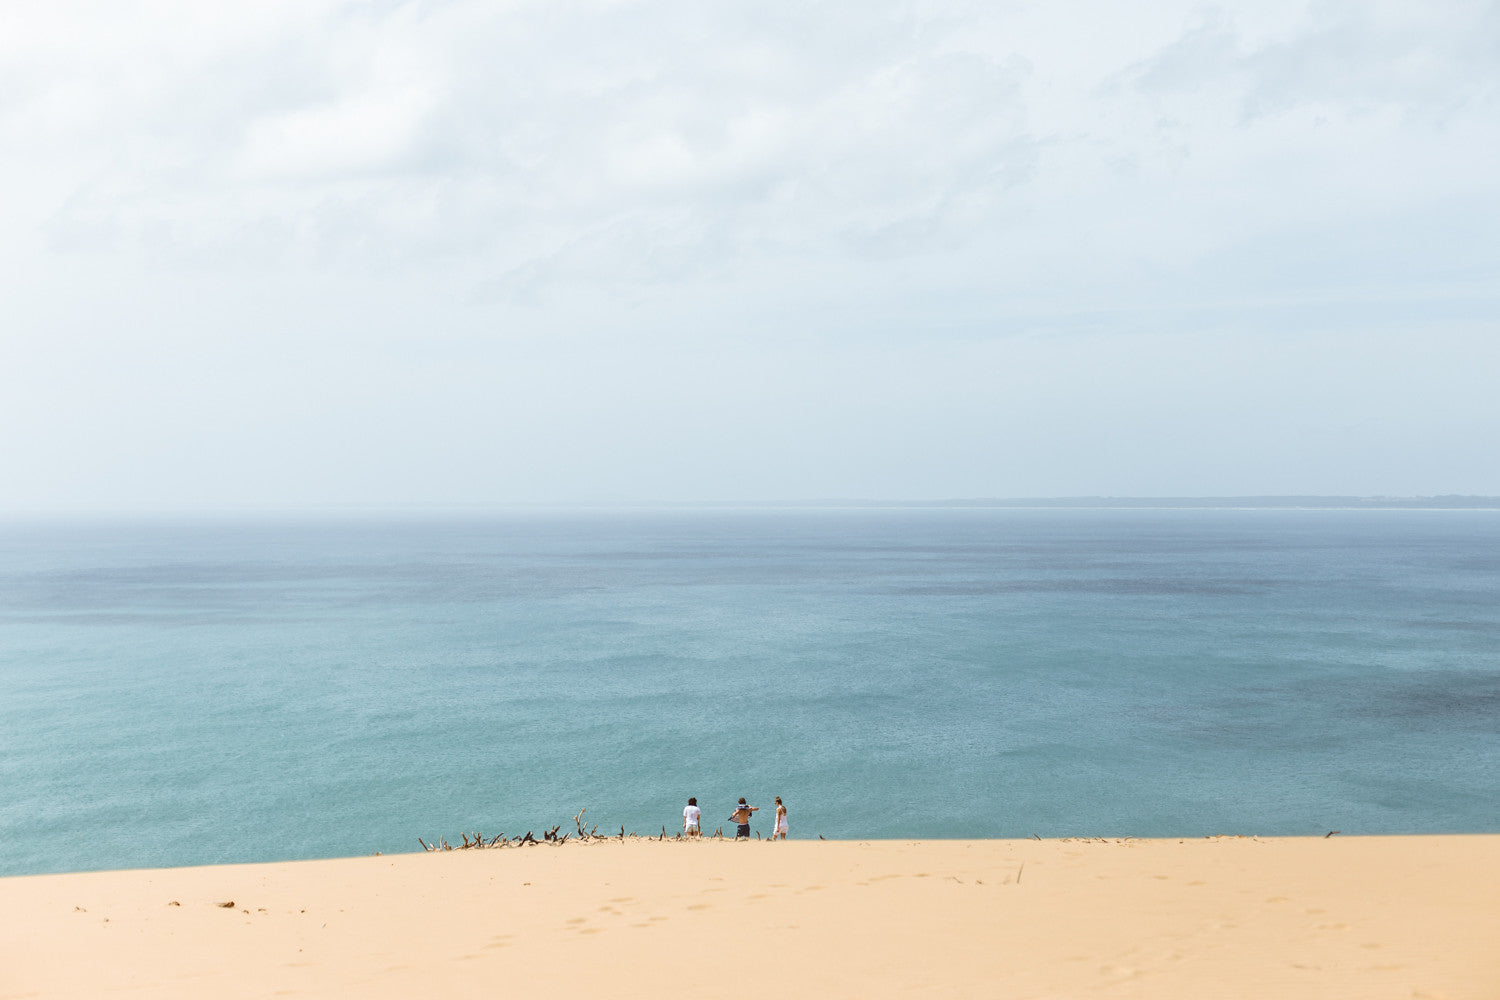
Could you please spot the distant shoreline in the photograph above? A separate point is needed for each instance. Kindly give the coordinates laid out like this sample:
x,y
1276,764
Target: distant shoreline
x,y
1113,503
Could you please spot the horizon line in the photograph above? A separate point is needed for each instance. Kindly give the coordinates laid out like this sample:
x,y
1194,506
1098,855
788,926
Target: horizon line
x,y
1449,501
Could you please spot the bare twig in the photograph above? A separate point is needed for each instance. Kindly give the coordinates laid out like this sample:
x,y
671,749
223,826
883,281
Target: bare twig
x,y
477,840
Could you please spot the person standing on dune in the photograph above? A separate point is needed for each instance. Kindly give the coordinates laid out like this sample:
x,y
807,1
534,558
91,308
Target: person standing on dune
x,y
779,830
690,819
741,816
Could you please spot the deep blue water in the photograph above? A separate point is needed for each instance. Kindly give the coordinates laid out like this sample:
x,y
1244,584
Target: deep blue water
x,y
209,691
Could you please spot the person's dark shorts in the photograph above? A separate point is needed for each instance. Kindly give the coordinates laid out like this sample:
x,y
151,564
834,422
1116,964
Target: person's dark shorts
x,y
743,830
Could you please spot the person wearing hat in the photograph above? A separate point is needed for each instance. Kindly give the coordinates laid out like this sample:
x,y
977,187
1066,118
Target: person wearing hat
x,y
741,815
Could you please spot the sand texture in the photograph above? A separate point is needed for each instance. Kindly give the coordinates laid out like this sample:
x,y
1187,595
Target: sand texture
x,y
1368,918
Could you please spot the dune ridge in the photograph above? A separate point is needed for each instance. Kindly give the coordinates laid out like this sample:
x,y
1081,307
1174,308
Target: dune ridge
x,y
1369,917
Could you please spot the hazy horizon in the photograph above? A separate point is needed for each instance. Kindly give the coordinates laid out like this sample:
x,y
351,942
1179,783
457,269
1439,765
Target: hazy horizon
x,y
333,253
462,510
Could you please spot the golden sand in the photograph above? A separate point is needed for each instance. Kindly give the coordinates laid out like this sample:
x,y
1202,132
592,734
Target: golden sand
x,y
1366,917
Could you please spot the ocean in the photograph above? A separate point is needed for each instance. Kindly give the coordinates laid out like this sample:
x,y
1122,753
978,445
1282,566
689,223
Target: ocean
x,y
196,691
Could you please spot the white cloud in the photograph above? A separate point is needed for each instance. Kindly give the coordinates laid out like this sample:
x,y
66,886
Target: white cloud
x,y
369,133
357,187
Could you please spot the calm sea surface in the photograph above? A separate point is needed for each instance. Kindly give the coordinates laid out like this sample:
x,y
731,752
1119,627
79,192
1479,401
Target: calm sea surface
x,y
193,692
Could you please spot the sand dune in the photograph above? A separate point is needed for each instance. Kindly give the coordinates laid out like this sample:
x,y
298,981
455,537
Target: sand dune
x,y
1227,917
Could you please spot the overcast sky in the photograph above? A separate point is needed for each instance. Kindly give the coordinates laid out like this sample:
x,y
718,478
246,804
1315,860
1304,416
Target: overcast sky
x,y
316,252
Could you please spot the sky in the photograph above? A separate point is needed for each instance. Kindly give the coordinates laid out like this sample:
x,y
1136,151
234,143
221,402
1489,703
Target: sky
x,y
312,253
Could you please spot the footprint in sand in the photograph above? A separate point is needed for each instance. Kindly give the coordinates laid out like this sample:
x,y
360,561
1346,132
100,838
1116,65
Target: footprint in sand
x,y
577,920
1119,971
699,906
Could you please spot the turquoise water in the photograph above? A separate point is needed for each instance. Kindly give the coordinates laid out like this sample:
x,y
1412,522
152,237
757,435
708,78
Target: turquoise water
x,y
209,691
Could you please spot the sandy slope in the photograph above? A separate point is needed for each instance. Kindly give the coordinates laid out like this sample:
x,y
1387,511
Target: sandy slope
x,y
1342,917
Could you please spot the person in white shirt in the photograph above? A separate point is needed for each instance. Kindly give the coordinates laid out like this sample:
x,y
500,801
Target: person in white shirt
x,y
691,819
780,828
